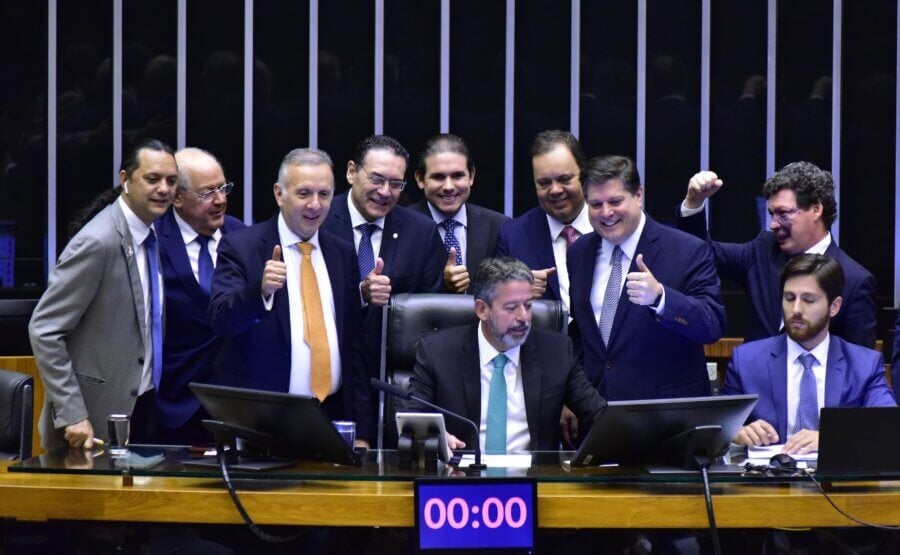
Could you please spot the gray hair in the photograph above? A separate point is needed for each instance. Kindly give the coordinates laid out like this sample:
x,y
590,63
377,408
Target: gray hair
x,y
187,154
303,157
494,271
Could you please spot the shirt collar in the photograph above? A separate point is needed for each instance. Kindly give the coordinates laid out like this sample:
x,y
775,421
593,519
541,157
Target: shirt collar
x,y
628,246
581,223
820,351
357,219
188,233
438,216
821,246
290,239
138,229
487,352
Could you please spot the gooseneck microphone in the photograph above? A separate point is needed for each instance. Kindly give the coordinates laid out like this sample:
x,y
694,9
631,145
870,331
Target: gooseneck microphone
x,y
400,393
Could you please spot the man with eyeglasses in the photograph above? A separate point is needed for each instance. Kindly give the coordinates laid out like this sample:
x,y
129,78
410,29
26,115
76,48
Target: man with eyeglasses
x,y
189,236
800,199
398,250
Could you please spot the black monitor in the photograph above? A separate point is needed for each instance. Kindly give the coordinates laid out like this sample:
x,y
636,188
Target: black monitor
x,y
283,425
664,431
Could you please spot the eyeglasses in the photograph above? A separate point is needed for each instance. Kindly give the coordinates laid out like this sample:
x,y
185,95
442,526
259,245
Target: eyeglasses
x,y
207,196
379,180
785,216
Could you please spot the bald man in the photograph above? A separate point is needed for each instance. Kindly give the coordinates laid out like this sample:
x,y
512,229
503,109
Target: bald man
x,y
189,235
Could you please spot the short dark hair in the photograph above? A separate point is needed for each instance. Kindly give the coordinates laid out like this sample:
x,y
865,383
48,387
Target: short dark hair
x,y
378,142
810,183
132,160
494,271
440,143
827,271
545,141
601,169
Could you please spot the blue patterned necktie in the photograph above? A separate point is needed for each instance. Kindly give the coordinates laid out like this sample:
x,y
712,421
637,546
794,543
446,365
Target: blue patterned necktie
x,y
155,306
204,264
450,240
611,296
495,437
808,402
366,254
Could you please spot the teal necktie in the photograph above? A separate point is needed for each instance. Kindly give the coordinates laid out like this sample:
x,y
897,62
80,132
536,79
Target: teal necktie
x,y
495,440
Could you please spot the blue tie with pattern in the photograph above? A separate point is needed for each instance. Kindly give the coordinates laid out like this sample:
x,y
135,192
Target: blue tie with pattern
x,y
495,436
808,402
155,306
204,264
366,254
450,240
611,296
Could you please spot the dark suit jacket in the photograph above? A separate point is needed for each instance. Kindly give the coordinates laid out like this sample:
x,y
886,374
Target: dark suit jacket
x,y
190,346
257,349
649,355
413,255
895,360
528,239
482,231
448,374
757,266
854,377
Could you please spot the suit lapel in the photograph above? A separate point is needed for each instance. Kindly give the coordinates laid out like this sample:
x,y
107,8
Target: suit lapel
x,y
336,277
176,251
281,301
778,382
647,245
835,374
530,368
134,276
343,226
390,235
773,296
470,375
583,273
477,230
539,232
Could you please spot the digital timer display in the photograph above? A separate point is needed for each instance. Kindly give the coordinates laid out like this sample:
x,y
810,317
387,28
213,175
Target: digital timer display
x,y
475,514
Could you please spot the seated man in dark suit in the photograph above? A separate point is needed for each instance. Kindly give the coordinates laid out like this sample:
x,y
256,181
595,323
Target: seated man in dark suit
x,y
541,237
446,173
800,198
509,379
795,375
285,296
189,236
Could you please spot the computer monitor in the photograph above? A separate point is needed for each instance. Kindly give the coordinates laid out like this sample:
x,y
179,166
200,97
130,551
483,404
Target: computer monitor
x,y
664,431
286,426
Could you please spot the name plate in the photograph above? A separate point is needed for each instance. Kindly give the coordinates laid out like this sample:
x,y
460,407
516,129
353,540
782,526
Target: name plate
x,y
476,513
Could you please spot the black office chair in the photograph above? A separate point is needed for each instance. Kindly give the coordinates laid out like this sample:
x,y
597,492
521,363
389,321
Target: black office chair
x,y
16,405
410,316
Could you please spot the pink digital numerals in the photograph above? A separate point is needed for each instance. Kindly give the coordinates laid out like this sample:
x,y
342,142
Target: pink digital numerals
x,y
492,513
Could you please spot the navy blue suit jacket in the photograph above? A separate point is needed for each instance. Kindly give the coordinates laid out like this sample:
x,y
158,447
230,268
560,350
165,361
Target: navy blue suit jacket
x,y
257,350
482,231
649,355
190,346
895,360
757,266
854,377
528,239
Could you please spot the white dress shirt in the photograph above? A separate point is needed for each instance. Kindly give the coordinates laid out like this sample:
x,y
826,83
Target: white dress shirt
x,y
192,246
459,231
795,375
356,220
582,225
517,436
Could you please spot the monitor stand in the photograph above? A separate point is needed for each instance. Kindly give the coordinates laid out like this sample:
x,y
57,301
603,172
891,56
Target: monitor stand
x,y
225,436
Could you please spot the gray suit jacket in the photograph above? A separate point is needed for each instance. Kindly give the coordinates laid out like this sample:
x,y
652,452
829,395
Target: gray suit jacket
x,y
87,330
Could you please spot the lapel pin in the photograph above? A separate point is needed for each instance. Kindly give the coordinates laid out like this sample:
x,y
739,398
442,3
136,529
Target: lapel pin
x,y
129,251
395,235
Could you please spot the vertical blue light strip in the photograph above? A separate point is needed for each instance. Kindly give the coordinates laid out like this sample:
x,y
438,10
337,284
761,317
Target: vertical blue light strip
x,y
379,67
51,136
181,91
771,91
836,31
117,90
313,73
575,65
705,62
897,176
248,112
445,66
509,97
641,90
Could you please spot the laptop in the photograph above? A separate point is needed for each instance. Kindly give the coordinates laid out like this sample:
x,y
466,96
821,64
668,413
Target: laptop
x,y
859,442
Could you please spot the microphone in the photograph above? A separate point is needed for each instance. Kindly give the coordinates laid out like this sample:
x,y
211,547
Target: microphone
x,y
400,393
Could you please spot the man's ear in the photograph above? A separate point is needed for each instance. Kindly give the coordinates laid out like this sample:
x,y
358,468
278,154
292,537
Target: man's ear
x,y
481,310
835,306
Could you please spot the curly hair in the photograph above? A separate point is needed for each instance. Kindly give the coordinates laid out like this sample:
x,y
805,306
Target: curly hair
x,y
810,183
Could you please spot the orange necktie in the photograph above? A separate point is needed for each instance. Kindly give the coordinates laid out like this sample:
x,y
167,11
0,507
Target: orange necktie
x,y
314,326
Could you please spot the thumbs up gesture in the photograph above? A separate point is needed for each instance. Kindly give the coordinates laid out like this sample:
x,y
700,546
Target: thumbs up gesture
x,y
642,287
376,288
539,287
456,277
274,274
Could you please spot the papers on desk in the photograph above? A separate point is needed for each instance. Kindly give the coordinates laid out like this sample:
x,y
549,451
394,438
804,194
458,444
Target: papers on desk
x,y
761,455
498,461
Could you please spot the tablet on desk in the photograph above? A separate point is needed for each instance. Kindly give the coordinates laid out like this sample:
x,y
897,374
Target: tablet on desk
x,y
423,424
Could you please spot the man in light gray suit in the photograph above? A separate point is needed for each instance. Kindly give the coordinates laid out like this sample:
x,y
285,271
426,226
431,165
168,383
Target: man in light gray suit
x,y
92,331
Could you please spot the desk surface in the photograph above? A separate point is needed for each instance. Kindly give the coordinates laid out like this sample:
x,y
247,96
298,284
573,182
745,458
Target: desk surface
x,y
86,496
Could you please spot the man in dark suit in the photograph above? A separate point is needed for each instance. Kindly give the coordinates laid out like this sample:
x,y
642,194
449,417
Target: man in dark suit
x,y
800,198
796,374
540,237
446,173
399,250
895,360
645,297
189,236
290,324
509,379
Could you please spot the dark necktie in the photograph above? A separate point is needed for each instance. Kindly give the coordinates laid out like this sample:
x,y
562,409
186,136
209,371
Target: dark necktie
x,y
611,296
366,254
571,235
155,306
204,264
495,435
450,240
808,402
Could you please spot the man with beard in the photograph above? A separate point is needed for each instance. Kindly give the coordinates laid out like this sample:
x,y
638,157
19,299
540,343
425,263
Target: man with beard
x,y
796,374
509,379
800,199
